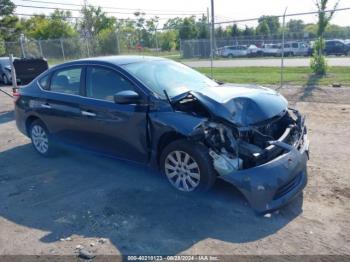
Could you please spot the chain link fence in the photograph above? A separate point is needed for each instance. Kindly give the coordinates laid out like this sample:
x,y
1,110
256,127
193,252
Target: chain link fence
x,y
200,48
59,50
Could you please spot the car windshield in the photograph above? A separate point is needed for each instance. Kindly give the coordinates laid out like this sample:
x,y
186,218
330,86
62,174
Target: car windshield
x,y
174,78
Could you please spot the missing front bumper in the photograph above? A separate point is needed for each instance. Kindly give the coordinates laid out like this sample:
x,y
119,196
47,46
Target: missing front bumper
x,y
272,185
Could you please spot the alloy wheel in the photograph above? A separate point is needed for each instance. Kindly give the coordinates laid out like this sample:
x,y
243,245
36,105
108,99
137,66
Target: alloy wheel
x,y
182,171
40,139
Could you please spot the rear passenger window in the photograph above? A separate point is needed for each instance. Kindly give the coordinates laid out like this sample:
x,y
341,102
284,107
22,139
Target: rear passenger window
x,y
44,82
66,81
295,45
103,83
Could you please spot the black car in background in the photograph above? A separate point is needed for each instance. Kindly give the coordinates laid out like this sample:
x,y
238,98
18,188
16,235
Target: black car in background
x,y
162,113
336,47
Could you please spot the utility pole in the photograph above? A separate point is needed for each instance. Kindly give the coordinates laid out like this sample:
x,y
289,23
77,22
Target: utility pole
x,y
212,46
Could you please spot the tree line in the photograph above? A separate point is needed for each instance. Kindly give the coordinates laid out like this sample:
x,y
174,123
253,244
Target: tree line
x,y
141,31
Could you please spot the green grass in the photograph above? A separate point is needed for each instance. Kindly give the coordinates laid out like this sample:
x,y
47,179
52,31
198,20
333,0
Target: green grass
x,y
301,76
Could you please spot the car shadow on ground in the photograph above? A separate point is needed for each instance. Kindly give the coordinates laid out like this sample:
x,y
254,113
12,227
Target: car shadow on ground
x,y
6,116
78,193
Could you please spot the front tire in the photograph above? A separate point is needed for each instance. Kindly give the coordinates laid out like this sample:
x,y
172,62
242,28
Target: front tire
x,y
188,166
41,139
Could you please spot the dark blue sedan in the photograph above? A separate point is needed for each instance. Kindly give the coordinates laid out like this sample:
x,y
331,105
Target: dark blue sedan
x,y
162,113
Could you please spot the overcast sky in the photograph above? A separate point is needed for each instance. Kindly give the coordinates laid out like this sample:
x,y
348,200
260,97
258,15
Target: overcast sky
x,y
224,9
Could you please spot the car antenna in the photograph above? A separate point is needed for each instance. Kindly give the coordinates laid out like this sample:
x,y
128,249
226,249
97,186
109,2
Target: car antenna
x,y
168,98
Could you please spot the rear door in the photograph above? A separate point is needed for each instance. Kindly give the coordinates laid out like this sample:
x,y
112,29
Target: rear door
x,y
107,127
59,107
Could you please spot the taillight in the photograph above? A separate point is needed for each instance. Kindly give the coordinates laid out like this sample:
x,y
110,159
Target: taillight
x,y
16,96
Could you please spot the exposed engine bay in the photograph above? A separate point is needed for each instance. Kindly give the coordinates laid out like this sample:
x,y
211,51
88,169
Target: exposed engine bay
x,y
234,146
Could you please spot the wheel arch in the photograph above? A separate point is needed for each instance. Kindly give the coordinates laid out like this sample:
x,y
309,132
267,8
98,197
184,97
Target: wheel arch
x,y
165,140
30,119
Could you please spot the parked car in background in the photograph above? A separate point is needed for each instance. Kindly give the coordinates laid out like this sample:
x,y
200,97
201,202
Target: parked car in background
x,y
336,47
271,49
254,51
5,71
233,51
295,49
159,112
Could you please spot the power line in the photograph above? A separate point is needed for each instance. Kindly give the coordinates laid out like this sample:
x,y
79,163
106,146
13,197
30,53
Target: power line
x,y
20,14
80,17
287,15
109,12
116,8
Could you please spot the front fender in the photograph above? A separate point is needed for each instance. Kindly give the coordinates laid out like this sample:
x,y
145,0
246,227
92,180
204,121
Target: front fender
x,y
162,123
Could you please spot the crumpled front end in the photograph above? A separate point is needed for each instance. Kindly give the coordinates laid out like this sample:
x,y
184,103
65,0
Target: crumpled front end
x,y
266,161
273,184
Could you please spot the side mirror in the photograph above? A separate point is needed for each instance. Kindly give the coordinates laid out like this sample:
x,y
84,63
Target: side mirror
x,y
127,97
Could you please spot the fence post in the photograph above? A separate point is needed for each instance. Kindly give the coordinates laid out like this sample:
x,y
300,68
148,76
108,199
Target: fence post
x,y
118,43
62,48
87,47
155,34
40,49
282,55
22,46
211,30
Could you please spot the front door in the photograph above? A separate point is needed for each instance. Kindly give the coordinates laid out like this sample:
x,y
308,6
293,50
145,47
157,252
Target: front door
x,y
110,128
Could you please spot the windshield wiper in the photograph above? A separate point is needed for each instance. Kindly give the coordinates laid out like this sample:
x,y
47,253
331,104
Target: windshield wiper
x,y
168,99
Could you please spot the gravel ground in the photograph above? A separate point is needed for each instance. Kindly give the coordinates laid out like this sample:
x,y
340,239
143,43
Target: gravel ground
x,y
78,200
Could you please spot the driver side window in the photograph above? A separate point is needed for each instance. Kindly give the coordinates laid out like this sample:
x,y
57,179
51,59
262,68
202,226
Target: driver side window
x,y
103,83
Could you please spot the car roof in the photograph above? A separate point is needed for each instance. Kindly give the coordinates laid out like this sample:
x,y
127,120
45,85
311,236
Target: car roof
x,y
118,60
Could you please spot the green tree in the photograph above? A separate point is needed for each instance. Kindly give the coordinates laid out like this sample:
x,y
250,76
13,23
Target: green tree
x,y
248,31
263,28
94,21
55,26
318,61
188,29
311,30
219,32
235,31
107,42
269,24
295,25
168,40
8,21
203,30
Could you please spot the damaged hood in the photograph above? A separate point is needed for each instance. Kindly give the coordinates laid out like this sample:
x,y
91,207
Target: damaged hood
x,y
242,105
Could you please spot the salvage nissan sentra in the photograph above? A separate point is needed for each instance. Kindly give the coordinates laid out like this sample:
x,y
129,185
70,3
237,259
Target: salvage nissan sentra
x,y
156,111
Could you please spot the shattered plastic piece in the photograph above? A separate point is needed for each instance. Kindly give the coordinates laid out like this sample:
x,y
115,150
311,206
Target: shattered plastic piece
x,y
102,240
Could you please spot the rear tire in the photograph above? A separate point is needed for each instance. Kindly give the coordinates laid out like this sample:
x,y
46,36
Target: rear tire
x,y
188,166
41,139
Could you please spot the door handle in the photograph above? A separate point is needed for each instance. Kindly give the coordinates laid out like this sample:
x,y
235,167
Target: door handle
x,y
86,113
45,106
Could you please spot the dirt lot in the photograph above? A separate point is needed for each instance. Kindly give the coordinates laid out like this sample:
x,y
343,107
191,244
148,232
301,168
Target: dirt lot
x,y
49,206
